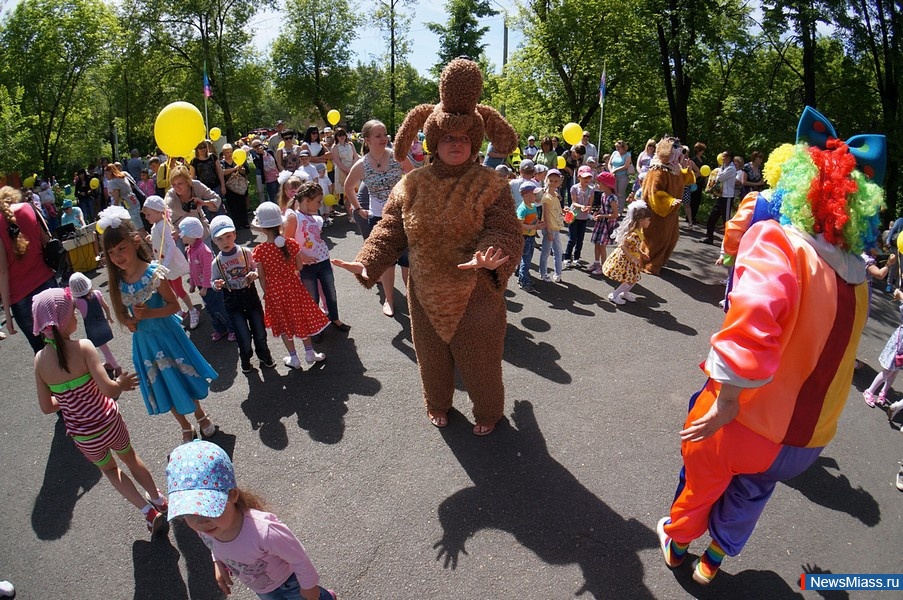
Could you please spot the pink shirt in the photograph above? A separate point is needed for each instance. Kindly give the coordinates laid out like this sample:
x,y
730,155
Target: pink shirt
x,y
200,260
265,554
29,271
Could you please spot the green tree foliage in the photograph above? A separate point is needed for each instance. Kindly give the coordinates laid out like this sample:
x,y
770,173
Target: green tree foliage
x,y
370,99
311,54
49,48
461,35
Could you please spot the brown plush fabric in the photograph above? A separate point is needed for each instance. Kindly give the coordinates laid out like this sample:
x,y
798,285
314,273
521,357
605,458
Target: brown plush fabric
x,y
660,190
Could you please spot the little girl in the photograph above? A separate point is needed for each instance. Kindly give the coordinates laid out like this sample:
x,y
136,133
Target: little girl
x,y
244,540
171,372
97,318
553,223
606,218
581,203
309,226
889,366
169,255
146,184
200,264
288,308
626,262
71,379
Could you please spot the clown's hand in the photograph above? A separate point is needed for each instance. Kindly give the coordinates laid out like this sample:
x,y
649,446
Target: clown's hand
x,y
357,268
723,411
490,259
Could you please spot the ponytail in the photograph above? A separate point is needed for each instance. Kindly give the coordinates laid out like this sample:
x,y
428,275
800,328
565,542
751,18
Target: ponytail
x,y
9,196
59,342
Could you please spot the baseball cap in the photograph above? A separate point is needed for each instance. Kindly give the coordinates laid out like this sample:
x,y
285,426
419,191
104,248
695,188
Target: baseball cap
x,y
527,165
199,476
553,172
541,168
304,153
531,139
155,203
191,227
320,166
585,171
219,225
67,204
528,186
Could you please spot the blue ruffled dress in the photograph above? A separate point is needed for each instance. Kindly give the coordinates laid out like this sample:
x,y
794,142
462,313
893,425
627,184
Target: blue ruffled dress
x,y
171,371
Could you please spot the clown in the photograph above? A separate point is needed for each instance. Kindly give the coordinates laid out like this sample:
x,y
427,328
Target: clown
x,y
781,366
457,220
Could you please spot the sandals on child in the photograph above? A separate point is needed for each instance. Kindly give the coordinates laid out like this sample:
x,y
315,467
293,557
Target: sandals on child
x,y
189,435
210,429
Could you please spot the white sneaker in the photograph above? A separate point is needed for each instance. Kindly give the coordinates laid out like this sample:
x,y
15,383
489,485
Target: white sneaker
x,y
629,297
556,278
7,590
313,357
568,264
292,362
180,314
596,270
194,316
619,300
546,277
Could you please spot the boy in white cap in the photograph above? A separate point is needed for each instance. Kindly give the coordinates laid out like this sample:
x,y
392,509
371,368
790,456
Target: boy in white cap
x,y
200,260
167,253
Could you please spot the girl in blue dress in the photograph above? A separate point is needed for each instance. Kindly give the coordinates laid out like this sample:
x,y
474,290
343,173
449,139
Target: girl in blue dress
x,y
172,374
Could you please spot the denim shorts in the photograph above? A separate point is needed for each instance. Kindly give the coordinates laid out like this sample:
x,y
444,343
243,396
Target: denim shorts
x,y
291,590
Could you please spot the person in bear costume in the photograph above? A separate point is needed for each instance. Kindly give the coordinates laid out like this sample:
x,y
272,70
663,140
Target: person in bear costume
x,y
662,190
458,221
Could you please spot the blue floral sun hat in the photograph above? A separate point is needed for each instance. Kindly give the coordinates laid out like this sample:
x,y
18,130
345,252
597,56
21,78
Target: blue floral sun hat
x,y
199,476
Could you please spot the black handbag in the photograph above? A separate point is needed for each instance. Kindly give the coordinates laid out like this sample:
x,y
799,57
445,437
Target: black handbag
x,y
54,253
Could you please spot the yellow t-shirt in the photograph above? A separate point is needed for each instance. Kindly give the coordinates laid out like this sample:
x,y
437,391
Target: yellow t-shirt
x,y
551,211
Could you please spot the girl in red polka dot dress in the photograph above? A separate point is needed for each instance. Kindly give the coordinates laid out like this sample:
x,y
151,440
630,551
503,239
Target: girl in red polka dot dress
x,y
288,308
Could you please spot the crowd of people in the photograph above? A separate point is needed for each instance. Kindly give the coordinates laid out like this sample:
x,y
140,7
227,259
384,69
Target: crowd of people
x,y
176,219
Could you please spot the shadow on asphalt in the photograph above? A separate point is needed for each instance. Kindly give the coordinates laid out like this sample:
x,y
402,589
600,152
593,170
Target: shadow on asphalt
x,y
836,492
67,477
540,358
318,395
753,585
522,490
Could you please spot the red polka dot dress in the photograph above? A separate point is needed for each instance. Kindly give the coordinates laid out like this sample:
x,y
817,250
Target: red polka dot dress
x,y
288,308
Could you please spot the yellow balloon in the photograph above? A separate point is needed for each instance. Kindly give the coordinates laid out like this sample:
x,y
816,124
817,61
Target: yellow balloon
x,y
425,149
720,160
98,228
561,162
281,145
572,133
94,183
215,133
704,170
179,128
29,182
330,200
900,243
328,166
239,156
333,116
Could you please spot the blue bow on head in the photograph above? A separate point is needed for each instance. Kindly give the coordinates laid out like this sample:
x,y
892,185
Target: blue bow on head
x,y
869,150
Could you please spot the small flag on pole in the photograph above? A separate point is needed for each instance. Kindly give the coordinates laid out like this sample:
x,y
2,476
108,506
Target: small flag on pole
x,y
207,92
602,89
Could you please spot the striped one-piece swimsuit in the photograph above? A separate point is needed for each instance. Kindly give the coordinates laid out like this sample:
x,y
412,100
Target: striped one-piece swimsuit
x,y
92,419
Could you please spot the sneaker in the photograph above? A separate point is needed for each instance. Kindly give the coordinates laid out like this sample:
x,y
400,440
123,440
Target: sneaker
x,y
664,543
246,367
527,287
8,590
900,479
162,506
231,337
556,278
180,314
629,296
155,521
292,362
313,357
271,364
568,264
596,270
619,300
869,398
217,336
701,573
546,278
194,316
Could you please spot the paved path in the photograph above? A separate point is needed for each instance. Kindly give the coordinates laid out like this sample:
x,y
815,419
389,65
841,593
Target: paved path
x,y
561,501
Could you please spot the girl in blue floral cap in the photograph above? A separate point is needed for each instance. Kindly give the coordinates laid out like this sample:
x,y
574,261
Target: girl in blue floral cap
x,y
244,540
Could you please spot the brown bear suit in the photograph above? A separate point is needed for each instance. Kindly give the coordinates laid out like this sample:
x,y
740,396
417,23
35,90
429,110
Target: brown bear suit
x,y
662,190
444,214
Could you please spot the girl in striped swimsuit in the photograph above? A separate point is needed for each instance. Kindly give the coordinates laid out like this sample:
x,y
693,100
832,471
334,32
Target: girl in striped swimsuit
x,y
71,379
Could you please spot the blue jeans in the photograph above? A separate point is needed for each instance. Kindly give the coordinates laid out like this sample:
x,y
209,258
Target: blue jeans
x,y
576,233
22,314
246,314
272,191
213,302
291,590
321,272
550,241
523,270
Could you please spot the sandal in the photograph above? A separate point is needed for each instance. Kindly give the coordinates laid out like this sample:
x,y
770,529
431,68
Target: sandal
x,y
388,309
189,435
483,429
437,418
210,429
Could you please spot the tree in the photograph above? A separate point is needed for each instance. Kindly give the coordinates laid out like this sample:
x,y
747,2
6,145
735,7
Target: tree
x,y
461,36
49,48
311,62
396,26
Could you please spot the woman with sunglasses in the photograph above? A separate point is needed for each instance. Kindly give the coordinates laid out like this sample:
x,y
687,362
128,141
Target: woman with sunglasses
x,y
289,148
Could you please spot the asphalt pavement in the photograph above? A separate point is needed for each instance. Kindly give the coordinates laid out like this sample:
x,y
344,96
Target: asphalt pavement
x,y
561,501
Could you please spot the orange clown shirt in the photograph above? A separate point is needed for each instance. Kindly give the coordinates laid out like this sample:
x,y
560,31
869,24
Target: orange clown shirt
x,y
793,294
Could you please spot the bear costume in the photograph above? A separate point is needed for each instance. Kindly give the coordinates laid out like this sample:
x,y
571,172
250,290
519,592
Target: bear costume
x,y
663,189
443,215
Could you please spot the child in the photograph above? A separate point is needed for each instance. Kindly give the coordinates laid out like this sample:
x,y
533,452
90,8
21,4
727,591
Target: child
x,y
200,261
146,184
289,309
233,272
553,223
97,317
309,225
606,218
169,255
529,219
172,373
71,379
581,203
889,366
626,262
244,541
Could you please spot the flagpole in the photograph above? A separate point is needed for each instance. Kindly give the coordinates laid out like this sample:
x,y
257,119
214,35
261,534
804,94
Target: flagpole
x,y
602,106
206,88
